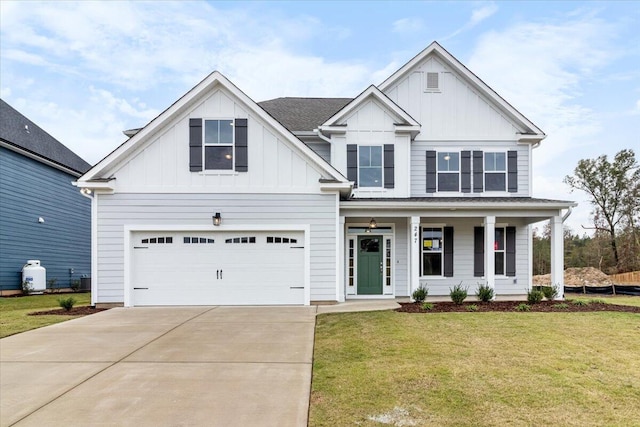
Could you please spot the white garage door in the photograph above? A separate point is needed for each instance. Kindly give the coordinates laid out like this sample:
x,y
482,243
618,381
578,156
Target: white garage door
x,y
217,268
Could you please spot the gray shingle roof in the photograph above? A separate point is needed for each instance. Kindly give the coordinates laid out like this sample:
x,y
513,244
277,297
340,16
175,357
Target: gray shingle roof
x,y
303,114
17,130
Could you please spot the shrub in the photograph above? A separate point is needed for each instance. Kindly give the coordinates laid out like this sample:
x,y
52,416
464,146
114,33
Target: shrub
x,y
580,302
75,285
420,294
534,296
67,303
27,288
561,306
51,284
472,307
523,307
458,294
485,293
597,301
427,306
550,292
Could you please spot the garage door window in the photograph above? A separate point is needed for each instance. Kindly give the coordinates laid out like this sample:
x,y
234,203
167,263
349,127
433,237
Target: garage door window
x,y
197,240
241,240
155,240
273,239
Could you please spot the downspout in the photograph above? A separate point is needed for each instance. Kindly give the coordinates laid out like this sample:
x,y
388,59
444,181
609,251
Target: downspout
x,y
565,216
86,192
321,136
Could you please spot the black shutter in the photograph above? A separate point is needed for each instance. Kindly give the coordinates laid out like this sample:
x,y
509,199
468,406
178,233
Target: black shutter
x,y
448,252
510,251
195,145
352,164
478,171
389,166
242,153
431,171
465,168
478,251
512,171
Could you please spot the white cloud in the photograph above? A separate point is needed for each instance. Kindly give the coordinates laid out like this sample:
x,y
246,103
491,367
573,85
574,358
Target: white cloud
x,y
408,25
477,16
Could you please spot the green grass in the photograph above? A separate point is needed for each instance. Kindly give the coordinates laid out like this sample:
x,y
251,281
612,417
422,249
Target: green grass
x,y
476,369
14,311
610,299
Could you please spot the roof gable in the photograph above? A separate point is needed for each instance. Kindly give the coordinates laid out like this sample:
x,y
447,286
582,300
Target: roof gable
x,y
24,136
184,104
533,133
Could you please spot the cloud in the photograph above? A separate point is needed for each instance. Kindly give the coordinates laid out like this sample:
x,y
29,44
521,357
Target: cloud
x,y
408,25
477,16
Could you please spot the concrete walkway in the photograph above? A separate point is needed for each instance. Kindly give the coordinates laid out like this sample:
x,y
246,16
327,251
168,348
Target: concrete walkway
x,y
169,366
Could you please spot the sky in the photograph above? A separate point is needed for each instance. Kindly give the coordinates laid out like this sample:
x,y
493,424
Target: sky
x,y
85,71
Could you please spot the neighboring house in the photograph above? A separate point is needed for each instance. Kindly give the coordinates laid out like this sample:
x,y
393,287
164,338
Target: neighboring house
x,y
422,180
42,215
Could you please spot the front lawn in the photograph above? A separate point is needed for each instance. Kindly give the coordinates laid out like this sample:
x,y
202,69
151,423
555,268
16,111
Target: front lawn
x,y
14,311
476,369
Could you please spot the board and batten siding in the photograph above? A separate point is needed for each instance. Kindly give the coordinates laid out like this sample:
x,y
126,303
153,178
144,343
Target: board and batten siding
x,y
30,190
419,164
455,111
162,163
463,259
118,210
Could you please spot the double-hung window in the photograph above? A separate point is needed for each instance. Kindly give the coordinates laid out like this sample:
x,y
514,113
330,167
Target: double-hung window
x,y
218,144
432,250
495,171
499,250
370,166
448,171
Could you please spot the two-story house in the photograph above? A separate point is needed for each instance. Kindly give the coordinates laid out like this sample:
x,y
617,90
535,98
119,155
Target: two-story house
x,y
425,179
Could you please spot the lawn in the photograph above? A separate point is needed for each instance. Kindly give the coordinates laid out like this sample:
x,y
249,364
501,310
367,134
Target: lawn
x,y
14,311
477,369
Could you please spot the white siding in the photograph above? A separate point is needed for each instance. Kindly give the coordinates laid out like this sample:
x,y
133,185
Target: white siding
x,y
162,164
118,210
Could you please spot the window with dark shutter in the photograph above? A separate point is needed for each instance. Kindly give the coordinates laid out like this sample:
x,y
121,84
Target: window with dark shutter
x,y
510,269
352,164
195,145
431,171
478,172
389,161
465,171
478,251
241,143
512,171
448,252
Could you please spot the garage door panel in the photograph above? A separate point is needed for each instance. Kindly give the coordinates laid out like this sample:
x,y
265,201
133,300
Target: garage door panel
x,y
221,268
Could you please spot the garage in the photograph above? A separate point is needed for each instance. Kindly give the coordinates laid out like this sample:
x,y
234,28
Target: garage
x,y
217,268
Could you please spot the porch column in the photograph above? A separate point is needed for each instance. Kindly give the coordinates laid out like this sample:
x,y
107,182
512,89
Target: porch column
x,y
489,251
557,255
341,256
414,265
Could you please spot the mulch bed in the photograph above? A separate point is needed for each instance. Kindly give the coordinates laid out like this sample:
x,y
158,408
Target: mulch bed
x,y
506,306
75,311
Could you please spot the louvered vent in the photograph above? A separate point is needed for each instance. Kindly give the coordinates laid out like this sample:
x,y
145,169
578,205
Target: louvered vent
x,y
432,81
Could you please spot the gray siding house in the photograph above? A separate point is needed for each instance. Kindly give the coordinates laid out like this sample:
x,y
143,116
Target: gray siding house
x,y
42,215
423,180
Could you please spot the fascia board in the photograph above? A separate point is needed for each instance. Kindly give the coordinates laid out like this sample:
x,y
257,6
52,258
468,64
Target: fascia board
x,y
39,158
400,205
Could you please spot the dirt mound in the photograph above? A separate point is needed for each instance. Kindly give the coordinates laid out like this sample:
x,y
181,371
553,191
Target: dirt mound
x,y
586,276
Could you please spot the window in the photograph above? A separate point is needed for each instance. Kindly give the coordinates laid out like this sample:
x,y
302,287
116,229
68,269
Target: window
x,y
495,168
370,166
448,171
272,239
351,262
498,247
241,240
156,240
197,240
388,262
218,144
432,239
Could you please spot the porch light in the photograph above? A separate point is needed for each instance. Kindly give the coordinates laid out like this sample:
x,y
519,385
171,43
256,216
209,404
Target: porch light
x,y
217,219
373,223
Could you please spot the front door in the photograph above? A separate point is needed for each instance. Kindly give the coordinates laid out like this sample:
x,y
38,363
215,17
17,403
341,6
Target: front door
x,y
370,265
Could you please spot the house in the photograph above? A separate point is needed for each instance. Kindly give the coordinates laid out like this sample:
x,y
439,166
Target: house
x,y
42,215
422,180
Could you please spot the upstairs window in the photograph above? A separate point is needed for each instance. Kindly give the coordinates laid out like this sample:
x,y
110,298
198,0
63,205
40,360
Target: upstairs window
x,y
218,144
448,171
495,171
370,166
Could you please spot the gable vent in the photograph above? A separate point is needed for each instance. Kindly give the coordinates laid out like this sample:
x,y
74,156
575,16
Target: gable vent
x,y
432,81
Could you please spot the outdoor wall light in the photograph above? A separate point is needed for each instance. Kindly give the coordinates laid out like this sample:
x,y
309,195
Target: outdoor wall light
x,y
41,220
217,219
373,223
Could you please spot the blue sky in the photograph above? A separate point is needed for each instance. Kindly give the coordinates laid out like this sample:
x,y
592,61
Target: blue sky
x,y
85,71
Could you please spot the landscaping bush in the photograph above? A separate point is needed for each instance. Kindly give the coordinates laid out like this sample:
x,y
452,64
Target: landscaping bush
x,y
597,301
67,303
550,292
523,307
472,307
27,288
534,296
561,306
580,302
75,285
420,294
485,293
427,306
458,294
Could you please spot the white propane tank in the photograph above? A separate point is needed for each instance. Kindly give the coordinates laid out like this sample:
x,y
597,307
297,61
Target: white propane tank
x,y
35,275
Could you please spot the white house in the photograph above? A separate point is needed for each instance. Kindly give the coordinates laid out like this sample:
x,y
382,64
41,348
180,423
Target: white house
x,y
424,179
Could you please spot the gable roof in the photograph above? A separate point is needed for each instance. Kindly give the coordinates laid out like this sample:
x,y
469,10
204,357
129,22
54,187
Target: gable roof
x,y
409,123
183,105
24,136
303,114
533,134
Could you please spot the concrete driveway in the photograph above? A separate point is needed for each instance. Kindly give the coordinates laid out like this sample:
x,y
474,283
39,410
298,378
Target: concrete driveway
x,y
202,366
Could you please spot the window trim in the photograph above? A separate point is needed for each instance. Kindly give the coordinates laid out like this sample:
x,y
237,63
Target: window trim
x,y
381,186
485,172
422,252
458,172
231,170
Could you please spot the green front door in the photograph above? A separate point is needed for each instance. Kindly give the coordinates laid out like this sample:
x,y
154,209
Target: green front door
x,y
370,265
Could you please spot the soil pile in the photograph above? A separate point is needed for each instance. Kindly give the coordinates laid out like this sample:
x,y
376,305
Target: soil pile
x,y
586,276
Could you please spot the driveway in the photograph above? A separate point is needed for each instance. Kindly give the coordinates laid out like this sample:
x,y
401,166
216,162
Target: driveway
x,y
203,366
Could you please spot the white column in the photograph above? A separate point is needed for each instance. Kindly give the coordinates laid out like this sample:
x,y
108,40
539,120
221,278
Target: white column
x,y
489,251
414,265
557,255
341,256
